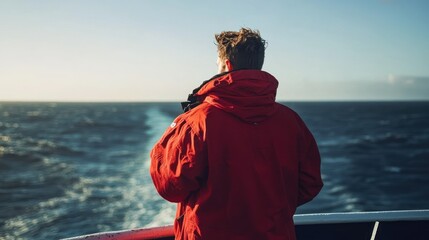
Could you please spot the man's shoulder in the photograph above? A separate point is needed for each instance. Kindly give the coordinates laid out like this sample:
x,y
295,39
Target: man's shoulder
x,y
196,117
201,111
285,109
289,113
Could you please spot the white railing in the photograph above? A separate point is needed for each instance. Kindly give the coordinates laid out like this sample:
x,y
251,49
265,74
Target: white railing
x,y
299,219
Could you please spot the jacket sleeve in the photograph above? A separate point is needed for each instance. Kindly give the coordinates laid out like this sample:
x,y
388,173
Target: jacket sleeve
x,y
177,162
310,179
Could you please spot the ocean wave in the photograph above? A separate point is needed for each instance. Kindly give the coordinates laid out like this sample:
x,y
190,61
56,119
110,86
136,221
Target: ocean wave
x,y
40,220
87,122
11,159
366,141
32,150
386,138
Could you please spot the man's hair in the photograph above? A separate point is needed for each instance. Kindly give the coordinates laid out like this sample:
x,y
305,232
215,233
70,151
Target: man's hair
x,y
245,49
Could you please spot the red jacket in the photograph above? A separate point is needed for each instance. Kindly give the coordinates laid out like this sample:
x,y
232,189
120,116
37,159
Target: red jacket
x,y
239,164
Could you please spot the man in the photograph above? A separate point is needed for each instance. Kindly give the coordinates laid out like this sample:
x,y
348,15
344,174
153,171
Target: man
x,y
237,163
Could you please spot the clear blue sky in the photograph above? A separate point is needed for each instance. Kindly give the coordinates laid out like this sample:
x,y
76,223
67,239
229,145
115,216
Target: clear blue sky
x,y
123,50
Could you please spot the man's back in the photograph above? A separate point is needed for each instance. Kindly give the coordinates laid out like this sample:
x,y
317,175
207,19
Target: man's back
x,y
246,165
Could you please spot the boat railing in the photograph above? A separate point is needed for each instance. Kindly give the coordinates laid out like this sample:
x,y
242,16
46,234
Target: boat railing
x,y
377,225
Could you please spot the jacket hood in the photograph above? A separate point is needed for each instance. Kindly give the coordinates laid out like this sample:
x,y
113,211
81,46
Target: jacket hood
x,y
247,94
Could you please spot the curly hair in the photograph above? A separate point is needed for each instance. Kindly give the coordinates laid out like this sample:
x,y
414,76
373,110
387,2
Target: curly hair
x,y
245,49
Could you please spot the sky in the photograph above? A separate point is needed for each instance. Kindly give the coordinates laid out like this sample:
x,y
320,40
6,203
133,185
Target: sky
x,y
123,50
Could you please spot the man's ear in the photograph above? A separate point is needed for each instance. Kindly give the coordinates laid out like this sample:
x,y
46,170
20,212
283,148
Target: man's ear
x,y
228,65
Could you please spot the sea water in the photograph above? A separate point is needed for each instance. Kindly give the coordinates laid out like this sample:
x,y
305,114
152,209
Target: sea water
x,y
70,169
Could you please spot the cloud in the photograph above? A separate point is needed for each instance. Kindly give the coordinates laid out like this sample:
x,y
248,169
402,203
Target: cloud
x,y
393,87
407,80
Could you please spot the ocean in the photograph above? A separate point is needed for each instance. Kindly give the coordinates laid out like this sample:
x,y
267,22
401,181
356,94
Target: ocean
x,y
70,169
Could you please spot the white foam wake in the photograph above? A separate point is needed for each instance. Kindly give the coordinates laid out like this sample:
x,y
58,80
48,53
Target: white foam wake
x,y
149,208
